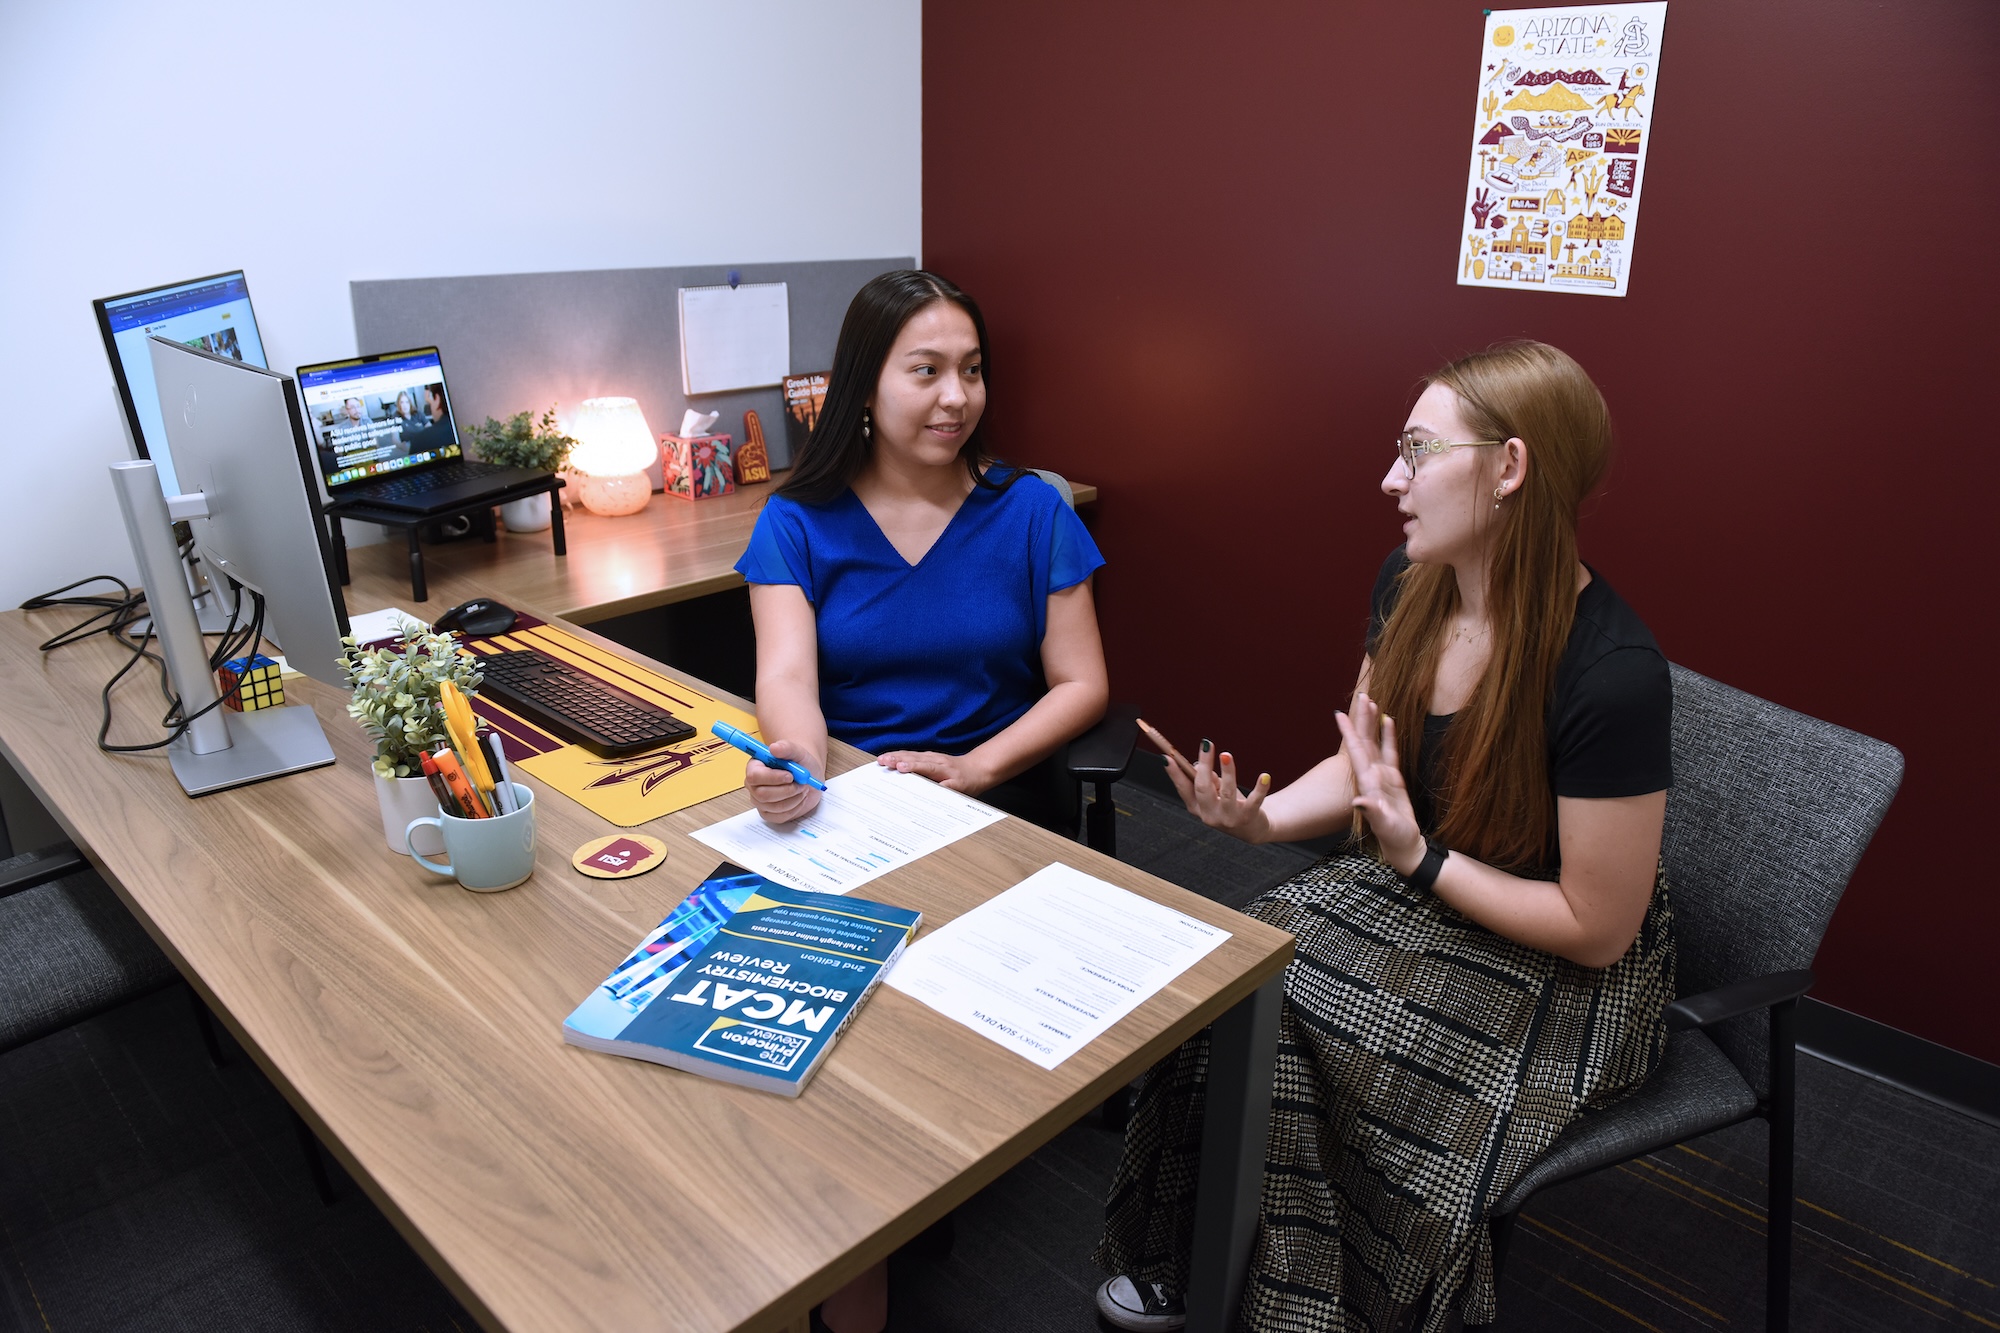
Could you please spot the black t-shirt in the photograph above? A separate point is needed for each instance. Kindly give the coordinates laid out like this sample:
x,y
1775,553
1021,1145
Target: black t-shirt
x,y
1611,718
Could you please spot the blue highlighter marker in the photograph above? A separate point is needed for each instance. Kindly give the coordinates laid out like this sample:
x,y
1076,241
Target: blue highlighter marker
x,y
761,752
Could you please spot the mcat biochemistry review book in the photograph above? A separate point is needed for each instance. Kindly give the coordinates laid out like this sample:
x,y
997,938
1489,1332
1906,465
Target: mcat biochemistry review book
x,y
746,981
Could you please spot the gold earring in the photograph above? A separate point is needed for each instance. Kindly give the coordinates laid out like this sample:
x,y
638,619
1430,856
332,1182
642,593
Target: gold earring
x,y
1499,494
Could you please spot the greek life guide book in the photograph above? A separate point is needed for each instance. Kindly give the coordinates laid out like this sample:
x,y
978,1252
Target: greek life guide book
x,y
746,981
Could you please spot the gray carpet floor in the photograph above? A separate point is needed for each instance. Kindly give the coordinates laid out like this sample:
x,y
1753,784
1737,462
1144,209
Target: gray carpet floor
x,y
143,1189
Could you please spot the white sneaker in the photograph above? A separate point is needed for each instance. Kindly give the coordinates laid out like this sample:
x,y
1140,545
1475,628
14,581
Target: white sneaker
x,y
1148,1309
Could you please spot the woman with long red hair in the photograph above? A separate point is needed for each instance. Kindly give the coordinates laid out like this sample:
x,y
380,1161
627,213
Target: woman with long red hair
x,y
1493,956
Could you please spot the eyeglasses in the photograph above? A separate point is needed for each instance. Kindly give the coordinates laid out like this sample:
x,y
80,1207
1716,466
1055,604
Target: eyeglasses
x,y
1410,447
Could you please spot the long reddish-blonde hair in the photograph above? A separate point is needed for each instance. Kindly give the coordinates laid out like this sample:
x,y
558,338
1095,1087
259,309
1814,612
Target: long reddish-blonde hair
x,y
1494,801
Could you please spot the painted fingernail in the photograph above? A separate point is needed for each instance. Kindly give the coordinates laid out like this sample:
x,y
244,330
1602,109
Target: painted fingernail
x,y
1264,781
1206,745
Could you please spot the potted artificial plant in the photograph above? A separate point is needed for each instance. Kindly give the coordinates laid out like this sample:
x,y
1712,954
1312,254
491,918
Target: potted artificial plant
x,y
522,441
396,702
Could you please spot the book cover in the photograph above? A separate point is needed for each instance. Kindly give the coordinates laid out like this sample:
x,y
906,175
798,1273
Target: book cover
x,y
804,396
746,981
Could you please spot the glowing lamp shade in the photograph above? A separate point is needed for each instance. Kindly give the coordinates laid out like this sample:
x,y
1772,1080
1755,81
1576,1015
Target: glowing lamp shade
x,y
614,447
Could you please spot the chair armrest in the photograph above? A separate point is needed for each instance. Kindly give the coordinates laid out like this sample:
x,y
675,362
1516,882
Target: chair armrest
x,y
1103,753
35,868
1737,998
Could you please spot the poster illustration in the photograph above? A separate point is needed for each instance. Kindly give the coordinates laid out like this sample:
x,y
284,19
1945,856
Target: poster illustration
x,y
1563,115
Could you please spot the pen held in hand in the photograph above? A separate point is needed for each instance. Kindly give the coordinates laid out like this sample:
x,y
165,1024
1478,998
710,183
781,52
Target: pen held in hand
x,y
761,752
1165,746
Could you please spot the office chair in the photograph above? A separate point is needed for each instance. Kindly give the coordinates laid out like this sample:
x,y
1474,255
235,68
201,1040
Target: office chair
x,y
1100,756
1770,811
70,951
68,948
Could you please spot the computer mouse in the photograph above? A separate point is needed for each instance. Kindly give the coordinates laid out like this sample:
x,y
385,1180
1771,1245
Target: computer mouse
x,y
479,617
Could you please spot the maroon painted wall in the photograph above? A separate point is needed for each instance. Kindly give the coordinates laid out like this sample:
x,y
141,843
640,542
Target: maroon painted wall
x,y
1216,246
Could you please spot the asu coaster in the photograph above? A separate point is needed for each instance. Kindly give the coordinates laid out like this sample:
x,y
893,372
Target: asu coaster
x,y
620,856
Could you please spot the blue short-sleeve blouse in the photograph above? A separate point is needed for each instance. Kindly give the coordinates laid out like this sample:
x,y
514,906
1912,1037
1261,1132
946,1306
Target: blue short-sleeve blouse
x,y
940,655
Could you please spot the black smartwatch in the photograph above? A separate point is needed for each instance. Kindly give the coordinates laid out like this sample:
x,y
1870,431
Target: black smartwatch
x,y
1426,873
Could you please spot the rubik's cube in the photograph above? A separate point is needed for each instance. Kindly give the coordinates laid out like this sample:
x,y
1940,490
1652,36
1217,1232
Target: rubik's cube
x,y
262,684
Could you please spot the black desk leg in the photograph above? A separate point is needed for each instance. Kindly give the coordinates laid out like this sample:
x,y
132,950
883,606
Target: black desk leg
x,y
340,550
555,522
418,589
1242,1050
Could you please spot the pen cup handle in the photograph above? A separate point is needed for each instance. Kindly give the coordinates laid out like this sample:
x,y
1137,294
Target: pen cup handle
x,y
409,839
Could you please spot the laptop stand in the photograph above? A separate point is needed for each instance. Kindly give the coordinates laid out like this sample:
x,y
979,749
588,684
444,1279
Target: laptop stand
x,y
412,524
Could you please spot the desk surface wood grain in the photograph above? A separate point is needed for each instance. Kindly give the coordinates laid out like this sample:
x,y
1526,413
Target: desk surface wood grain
x,y
671,551
418,1028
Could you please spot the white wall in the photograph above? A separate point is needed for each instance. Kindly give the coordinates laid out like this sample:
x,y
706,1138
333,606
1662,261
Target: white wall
x,y
144,143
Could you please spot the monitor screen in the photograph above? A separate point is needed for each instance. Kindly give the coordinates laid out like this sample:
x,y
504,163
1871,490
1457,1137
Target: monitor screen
x,y
210,314
378,414
236,430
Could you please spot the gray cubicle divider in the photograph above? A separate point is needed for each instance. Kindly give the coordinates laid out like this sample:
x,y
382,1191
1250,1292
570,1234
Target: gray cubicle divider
x,y
520,341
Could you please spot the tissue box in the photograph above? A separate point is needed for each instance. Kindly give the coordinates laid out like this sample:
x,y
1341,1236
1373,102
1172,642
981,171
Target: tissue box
x,y
696,467
263,685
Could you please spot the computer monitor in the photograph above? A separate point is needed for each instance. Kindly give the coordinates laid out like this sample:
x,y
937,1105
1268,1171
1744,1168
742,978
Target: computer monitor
x,y
211,313
239,438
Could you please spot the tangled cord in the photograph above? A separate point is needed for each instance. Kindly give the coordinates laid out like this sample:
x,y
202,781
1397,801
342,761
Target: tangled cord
x,y
120,613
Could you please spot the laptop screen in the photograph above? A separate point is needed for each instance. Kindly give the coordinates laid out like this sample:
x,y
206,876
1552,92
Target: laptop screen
x,y
378,414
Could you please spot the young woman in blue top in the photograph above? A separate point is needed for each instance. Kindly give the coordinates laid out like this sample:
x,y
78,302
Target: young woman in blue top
x,y
912,596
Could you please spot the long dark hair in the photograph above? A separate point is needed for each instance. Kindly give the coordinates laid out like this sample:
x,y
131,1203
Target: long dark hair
x,y
837,450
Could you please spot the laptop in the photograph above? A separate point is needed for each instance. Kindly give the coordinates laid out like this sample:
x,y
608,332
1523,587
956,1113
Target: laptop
x,y
383,435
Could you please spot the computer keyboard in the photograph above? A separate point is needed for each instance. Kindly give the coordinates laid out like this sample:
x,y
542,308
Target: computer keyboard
x,y
562,700
430,479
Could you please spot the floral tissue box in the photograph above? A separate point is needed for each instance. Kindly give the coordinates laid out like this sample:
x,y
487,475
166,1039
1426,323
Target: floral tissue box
x,y
696,467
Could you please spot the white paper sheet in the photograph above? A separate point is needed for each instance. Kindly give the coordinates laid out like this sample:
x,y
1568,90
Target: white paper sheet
x,y
1049,965
380,626
735,337
871,820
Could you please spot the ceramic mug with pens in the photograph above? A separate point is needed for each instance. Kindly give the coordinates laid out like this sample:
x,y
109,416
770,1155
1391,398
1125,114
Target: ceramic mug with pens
x,y
485,855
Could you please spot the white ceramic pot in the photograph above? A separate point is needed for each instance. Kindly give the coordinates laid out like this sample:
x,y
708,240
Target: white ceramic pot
x,y
402,800
529,515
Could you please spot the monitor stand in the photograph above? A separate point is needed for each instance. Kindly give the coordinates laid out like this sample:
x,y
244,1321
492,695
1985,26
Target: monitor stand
x,y
220,749
267,743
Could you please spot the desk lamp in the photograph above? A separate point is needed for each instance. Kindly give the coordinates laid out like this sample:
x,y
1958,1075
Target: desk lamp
x,y
614,447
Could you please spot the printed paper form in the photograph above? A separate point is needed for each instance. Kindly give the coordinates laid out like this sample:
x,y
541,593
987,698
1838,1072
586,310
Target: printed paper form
x,y
871,820
735,337
1052,963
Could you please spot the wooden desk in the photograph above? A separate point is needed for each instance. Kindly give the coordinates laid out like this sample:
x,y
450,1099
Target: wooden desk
x,y
671,551
417,1028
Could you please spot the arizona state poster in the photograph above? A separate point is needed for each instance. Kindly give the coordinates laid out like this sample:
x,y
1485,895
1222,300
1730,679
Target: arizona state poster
x,y
1562,121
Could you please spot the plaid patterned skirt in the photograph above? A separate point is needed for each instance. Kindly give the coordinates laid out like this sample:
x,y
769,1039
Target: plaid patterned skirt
x,y
1424,1063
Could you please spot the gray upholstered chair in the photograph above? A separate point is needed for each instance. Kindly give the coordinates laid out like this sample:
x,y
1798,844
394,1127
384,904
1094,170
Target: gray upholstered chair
x,y
69,951
1770,810
68,947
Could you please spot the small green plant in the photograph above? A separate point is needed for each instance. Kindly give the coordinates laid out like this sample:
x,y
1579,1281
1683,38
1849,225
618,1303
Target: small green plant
x,y
396,693
521,441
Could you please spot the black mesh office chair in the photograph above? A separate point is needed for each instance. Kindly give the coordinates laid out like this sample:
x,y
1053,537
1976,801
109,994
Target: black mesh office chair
x,y
1769,813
